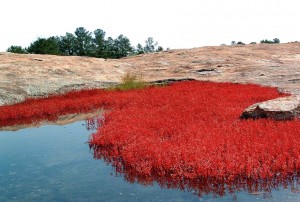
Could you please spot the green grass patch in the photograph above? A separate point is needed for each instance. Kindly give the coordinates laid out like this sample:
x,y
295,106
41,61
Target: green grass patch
x,y
130,82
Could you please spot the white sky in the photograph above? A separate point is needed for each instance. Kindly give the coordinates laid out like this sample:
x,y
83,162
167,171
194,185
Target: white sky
x,y
173,23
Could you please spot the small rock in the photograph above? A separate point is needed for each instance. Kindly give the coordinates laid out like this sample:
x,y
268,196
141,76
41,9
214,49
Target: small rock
x,y
284,108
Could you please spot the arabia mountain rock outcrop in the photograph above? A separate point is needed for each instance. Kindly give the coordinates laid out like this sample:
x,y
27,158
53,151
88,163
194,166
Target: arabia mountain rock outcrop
x,y
277,65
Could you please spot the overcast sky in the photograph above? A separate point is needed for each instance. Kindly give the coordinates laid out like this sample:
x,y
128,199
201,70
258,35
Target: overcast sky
x,y
173,23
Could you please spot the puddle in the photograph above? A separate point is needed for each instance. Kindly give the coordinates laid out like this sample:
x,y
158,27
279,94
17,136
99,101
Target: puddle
x,y
54,163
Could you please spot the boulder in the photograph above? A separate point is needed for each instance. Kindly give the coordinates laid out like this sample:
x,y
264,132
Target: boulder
x,y
284,108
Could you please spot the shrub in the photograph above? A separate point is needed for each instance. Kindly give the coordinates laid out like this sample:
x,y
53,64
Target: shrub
x,y
130,82
16,49
276,40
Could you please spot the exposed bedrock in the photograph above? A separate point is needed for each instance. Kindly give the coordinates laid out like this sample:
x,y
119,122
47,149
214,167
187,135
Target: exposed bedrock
x,y
284,108
26,76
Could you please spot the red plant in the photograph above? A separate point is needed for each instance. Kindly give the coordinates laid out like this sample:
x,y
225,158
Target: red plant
x,y
187,131
192,131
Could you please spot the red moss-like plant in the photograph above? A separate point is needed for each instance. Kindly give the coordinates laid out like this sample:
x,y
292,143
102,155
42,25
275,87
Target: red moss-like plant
x,y
185,132
191,132
202,184
50,108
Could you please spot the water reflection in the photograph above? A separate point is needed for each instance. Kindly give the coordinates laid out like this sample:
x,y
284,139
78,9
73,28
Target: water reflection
x,y
201,185
94,123
53,163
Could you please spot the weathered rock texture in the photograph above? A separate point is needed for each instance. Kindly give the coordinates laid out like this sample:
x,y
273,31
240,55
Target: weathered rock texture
x,y
285,108
275,65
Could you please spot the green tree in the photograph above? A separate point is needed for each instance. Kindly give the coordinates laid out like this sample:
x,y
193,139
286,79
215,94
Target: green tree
x,y
150,45
276,40
99,43
109,50
67,44
45,46
159,48
16,49
84,42
139,49
266,41
122,47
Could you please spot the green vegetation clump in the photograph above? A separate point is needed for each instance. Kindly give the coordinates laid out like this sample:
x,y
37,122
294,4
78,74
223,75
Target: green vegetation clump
x,y
233,43
276,40
16,49
265,41
130,82
85,43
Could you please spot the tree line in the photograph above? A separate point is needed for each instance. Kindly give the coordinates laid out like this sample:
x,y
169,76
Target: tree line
x,y
85,43
274,41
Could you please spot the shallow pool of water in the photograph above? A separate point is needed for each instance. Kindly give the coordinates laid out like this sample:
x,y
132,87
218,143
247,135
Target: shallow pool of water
x,y
54,163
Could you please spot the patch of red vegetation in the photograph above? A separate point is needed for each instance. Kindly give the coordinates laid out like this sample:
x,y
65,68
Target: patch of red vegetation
x,y
191,132
50,108
187,131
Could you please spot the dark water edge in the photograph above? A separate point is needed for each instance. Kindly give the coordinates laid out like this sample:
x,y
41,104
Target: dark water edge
x,y
54,163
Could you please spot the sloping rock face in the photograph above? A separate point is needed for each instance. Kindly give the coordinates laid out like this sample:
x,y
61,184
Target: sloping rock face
x,y
285,108
23,76
277,65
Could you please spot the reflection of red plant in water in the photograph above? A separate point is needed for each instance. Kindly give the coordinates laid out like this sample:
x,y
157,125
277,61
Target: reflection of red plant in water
x,y
94,123
188,131
203,184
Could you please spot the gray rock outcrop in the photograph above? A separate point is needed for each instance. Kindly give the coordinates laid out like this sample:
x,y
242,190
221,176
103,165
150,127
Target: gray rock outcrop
x,y
25,76
284,108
